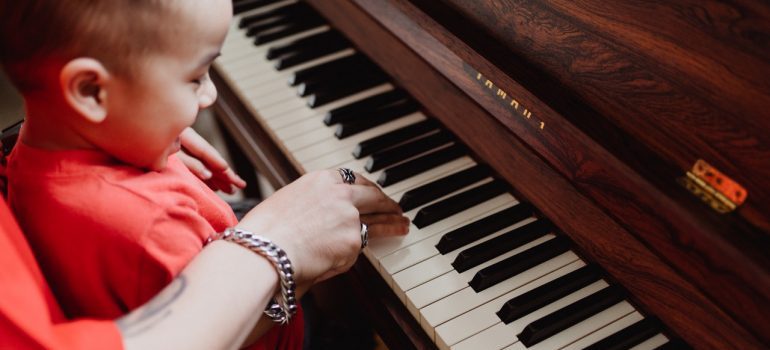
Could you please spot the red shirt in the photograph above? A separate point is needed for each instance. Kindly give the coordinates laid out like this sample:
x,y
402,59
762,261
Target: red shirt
x,y
30,318
109,236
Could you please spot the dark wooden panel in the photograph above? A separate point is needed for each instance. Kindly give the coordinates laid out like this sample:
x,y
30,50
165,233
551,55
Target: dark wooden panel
x,y
657,286
689,79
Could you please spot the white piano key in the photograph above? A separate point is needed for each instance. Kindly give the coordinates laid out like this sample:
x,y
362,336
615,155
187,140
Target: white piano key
x,y
254,90
467,299
278,95
424,252
652,343
280,109
516,346
481,317
495,337
425,177
307,140
274,114
507,332
301,127
252,72
478,319
242,49
428,282
287,120
270,74
605,331
587,326
386,245
425,249
314,154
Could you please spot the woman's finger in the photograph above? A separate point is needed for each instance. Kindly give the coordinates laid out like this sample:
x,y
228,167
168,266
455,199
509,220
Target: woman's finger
x,y
371,200
383,225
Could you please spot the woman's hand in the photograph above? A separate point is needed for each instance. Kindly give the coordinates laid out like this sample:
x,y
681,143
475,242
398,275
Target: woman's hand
x,y
206,163
317,221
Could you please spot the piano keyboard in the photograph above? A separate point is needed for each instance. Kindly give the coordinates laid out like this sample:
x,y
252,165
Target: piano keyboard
x,y
478,269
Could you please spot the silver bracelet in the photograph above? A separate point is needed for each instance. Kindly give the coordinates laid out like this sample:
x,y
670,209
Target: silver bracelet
x,y
285,307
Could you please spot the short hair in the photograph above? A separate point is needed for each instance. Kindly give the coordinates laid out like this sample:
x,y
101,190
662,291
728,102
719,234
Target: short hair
x,y
116,32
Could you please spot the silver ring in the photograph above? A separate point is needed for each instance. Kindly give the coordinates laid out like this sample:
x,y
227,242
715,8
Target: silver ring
x,y
364,235
348,176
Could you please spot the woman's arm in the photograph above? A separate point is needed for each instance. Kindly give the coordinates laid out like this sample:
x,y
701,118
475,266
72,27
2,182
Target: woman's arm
x,y
212,304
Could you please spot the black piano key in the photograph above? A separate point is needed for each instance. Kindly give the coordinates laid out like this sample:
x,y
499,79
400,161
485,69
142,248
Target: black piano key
x,y
321,98
247,5
426,193
298,27
281,18
393,138
267,25
347,77
407,150
628,337
371,103
311,52
674,344
570,315
273,14
459,202
550,292
329,70
419,165
376,118
486,251
502,270
483,227
299,45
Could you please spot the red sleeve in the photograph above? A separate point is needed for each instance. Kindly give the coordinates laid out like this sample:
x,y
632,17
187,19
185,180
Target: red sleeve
x,y
29,316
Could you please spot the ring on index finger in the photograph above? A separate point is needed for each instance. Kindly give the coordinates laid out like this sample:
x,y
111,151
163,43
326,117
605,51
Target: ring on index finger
x,y
364,235
348,176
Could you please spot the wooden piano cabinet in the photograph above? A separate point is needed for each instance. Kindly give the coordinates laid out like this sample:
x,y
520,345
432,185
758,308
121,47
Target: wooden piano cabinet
x,y
675,260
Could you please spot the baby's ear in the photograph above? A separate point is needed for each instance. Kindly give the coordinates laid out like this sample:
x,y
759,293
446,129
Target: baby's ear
x,y
83,85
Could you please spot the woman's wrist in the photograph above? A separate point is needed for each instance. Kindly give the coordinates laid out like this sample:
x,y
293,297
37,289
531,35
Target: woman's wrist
x,y
281,308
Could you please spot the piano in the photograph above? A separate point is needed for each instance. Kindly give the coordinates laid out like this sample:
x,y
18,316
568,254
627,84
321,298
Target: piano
x,y
579,173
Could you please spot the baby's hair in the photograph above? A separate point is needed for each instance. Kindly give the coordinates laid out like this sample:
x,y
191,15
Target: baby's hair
x,y
34,33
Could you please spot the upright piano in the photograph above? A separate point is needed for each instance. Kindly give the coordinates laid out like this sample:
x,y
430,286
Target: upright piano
x,y
579,173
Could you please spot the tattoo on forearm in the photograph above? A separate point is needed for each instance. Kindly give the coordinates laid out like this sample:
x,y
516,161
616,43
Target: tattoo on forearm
x,y
157,309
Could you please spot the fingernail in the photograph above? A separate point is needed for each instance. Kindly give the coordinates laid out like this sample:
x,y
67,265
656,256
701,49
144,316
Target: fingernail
x,y
206,174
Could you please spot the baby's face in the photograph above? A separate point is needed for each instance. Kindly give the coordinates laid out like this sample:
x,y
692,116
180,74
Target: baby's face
x,y
147,113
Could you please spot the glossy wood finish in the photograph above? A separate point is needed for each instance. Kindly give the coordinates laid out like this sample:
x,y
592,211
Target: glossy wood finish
x,y
685,240
626,107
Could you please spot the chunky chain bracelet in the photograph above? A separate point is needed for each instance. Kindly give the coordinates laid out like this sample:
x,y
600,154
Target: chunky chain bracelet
x,y
285,307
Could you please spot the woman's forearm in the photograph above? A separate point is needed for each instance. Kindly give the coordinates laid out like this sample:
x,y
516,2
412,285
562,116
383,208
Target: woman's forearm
x,y
213,304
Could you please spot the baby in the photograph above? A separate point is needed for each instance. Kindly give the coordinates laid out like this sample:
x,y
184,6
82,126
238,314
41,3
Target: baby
x,y
109,86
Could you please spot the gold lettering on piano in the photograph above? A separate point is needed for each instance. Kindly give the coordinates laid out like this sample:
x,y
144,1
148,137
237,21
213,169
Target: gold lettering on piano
x,y
505,97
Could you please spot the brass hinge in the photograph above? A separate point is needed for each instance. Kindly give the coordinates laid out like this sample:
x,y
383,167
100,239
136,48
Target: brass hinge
x,y
714,188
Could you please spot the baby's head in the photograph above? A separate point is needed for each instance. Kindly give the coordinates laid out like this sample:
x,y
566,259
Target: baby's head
x,y
123,76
